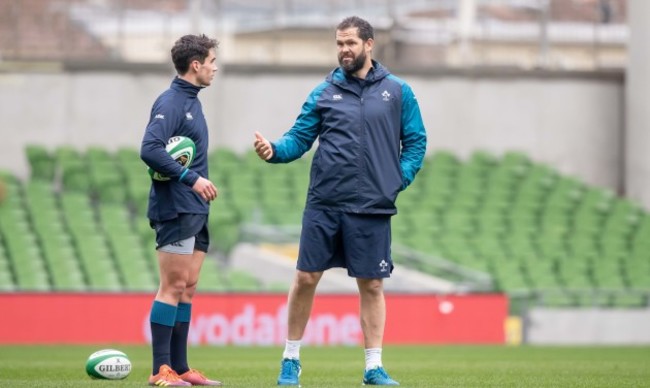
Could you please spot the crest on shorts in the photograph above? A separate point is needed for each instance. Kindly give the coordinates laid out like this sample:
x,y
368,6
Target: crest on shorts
x,y
383,265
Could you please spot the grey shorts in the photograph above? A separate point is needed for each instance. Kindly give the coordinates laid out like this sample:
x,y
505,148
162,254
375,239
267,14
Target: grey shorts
x,y
358,242
183,234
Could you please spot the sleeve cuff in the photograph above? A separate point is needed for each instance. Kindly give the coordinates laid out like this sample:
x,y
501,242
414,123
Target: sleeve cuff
x,y
273,159
188,177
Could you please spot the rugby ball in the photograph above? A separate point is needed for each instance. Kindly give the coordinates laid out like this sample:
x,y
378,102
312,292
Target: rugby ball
x,y
182,150
108,364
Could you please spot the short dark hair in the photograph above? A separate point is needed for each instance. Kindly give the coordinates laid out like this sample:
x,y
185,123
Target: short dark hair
x,y
365,29
190,48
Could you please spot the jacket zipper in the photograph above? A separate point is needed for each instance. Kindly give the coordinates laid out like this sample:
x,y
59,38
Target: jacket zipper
x,y
362,141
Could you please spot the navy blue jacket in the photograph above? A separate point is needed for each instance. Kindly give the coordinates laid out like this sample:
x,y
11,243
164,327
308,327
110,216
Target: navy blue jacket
x,y
176,112
371,141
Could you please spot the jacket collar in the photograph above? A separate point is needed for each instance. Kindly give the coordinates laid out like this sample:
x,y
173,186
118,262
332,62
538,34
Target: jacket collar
x,y
185,87
338,76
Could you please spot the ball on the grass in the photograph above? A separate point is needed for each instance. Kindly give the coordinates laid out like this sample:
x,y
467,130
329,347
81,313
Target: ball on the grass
x,y
182,150
108,364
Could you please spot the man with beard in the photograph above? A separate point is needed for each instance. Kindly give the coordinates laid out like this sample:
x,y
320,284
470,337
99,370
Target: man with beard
x,y
371,144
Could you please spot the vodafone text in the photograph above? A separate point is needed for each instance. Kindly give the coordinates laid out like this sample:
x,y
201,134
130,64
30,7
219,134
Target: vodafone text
x,y
250,327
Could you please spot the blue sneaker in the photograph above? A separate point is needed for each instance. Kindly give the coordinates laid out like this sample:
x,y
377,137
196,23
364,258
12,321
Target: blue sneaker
x,y
290,371
378,376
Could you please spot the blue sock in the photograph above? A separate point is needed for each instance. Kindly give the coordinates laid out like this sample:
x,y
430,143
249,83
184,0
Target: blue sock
x,y
179,338
162,319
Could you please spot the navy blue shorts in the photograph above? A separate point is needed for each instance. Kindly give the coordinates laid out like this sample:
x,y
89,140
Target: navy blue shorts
x,y
182,227
358,242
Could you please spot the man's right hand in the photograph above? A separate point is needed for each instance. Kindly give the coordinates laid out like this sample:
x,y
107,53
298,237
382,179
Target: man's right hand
x,y
263,147
206,189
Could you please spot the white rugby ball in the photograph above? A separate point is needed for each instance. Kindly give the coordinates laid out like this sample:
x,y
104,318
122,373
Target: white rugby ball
x,y
108,364
182,150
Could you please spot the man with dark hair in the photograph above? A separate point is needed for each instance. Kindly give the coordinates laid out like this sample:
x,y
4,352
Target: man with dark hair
x,y
371,144
178,208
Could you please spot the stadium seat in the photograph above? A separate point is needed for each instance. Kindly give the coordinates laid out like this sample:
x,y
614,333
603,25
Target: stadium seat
x,y
73,167
41,162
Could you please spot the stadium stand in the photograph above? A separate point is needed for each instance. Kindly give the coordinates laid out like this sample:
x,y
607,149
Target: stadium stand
x,y
43,30
80,225
586,33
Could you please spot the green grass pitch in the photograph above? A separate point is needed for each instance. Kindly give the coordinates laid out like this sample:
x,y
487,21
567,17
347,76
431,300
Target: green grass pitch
x,y
413,366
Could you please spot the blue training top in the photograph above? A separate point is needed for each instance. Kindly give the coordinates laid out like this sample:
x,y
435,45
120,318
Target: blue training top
x,y
176,112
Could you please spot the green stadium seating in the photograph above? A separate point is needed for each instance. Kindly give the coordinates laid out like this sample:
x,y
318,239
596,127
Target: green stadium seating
x,y
212,277
6,279
224,224
58,250
74,170
81,223
21,246
134,268
131,168
524,223
239,280
90,242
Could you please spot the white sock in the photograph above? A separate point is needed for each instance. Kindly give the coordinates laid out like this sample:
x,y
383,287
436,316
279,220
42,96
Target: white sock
x,y
373,358
292,350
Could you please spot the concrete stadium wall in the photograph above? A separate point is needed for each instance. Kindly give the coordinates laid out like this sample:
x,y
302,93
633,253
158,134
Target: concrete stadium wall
x,y
573,122
637,157
546,326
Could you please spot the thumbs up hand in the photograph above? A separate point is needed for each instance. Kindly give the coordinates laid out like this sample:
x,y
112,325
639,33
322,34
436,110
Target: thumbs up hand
x,y
262,147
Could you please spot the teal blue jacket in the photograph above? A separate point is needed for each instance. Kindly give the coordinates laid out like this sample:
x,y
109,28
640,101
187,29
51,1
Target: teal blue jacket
x,y
371,141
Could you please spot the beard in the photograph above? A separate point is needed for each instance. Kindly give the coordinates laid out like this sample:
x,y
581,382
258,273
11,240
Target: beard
x,y
355,65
